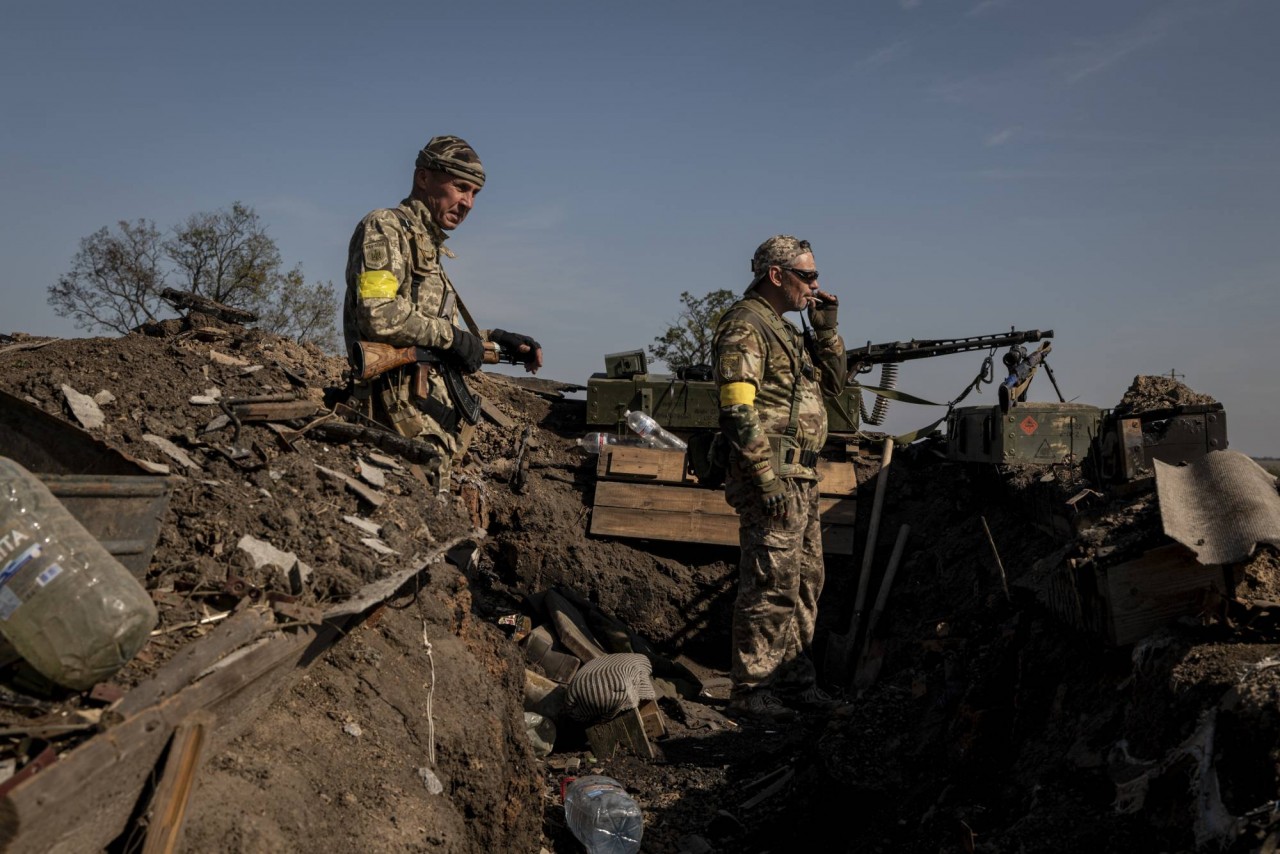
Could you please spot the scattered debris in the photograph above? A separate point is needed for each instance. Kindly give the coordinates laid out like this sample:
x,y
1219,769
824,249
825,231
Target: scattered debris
x,y
84,408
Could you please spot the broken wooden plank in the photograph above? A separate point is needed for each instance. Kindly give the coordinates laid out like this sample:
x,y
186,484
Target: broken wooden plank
x,y
279,411
204,305
85,800
494,414
177,781
626,731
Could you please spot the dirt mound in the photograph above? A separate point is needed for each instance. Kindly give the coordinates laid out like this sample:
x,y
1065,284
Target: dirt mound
x,y
1154,393
993,725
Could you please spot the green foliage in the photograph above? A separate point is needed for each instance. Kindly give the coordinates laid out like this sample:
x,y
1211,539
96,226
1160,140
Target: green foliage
x,y
1271,464
687,341
227,256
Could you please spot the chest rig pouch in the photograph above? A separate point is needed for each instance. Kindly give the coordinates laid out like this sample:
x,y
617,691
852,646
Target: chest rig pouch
x,y
422,387
791,453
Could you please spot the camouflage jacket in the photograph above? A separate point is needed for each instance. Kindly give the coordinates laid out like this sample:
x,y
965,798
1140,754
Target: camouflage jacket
x,y
397,291
395,284
764,372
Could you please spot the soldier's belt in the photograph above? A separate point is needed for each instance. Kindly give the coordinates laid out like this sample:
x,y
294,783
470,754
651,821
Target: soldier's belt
x,y
808,459
790,458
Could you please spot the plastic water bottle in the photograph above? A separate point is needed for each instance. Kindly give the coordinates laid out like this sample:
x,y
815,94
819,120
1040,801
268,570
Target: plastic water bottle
x,y
66,605
645,426
594,443
602,815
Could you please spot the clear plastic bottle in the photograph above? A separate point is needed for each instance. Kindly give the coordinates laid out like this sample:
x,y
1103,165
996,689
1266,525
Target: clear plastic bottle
x,y
66,605
645,426
594,443
602,815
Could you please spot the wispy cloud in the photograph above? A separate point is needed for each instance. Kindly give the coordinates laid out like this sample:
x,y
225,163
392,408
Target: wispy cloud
x,y
986,6
884,55
909,4
1096,55
1000,137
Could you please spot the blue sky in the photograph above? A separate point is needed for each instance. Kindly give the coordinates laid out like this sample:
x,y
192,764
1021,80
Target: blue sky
x,y
1109,170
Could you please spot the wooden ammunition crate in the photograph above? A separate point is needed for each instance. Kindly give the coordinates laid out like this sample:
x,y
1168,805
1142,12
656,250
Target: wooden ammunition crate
x,y
646,493
1125,602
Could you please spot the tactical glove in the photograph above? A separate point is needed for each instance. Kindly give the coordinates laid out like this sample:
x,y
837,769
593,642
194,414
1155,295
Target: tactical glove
x,y
467,350
774,498
823,314
772,494
510,342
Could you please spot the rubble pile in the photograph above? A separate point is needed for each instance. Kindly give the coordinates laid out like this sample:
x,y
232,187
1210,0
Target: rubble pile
x,y
442,719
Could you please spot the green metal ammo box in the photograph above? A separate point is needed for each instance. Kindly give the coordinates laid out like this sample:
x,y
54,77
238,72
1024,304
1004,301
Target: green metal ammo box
x,y
1029,433
681,404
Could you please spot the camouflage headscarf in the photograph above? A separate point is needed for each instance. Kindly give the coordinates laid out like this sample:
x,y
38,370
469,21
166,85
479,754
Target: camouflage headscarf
x,y
778,251
453,155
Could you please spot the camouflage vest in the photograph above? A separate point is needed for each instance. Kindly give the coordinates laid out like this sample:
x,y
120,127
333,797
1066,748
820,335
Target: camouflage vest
x,y
794,447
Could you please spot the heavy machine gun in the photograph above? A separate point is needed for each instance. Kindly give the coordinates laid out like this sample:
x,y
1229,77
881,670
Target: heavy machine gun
x,y
890,355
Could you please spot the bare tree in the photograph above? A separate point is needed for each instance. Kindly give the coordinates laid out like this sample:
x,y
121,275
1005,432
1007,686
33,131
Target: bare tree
x,y
688,340
115,279
306,313
226,256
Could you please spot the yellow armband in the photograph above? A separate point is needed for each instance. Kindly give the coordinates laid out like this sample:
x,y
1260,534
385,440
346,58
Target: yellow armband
x,y
732,394
378,284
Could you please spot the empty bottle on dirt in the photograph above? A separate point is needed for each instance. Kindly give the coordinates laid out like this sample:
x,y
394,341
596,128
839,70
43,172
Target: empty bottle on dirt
x,y
602,815
66,605
594,443
644,425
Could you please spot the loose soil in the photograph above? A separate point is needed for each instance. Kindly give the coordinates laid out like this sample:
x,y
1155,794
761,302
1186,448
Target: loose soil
x,y
993,725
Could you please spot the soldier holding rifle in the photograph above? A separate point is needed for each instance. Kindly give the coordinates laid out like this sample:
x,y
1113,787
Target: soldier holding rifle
x,y
398,294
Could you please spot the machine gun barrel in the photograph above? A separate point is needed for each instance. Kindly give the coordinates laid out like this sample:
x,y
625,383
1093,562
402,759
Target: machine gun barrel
x,y
862,358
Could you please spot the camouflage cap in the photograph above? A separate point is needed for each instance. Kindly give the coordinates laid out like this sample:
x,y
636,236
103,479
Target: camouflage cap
x,y
778,251
453,155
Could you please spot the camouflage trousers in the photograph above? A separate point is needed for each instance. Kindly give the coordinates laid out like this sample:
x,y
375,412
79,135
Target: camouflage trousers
x,y
780,576
394,407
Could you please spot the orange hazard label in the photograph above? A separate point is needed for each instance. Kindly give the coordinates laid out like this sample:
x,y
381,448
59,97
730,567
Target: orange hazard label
x,y
1028,425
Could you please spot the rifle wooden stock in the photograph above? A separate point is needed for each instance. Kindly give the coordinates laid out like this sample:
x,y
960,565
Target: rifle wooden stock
x,y
370,358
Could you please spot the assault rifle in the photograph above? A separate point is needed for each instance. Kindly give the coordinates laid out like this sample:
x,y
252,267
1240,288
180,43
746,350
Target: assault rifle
x,y
860,359
371,358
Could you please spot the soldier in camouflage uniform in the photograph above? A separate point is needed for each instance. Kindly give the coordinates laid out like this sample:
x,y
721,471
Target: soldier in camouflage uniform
x,y
398,293
772,379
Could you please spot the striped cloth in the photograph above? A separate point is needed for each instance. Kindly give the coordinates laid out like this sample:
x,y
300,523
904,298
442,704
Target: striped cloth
x,y
607,686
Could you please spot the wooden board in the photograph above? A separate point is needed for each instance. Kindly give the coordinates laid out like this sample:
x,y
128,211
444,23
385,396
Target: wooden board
x,y
688,514
1141,595
85,800
663,465
639,463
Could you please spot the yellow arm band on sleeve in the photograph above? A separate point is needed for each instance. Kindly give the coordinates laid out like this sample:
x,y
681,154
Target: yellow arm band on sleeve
x,y
378,284
732,394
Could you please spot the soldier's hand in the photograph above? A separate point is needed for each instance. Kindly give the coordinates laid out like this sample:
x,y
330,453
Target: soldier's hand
x,y
772,494
822,310
774,498
521,349
467,350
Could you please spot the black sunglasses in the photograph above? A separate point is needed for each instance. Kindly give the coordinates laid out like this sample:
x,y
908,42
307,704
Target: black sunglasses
x,y
806,276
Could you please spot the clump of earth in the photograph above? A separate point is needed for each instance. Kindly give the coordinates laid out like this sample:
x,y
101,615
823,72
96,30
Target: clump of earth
x,y
991,725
